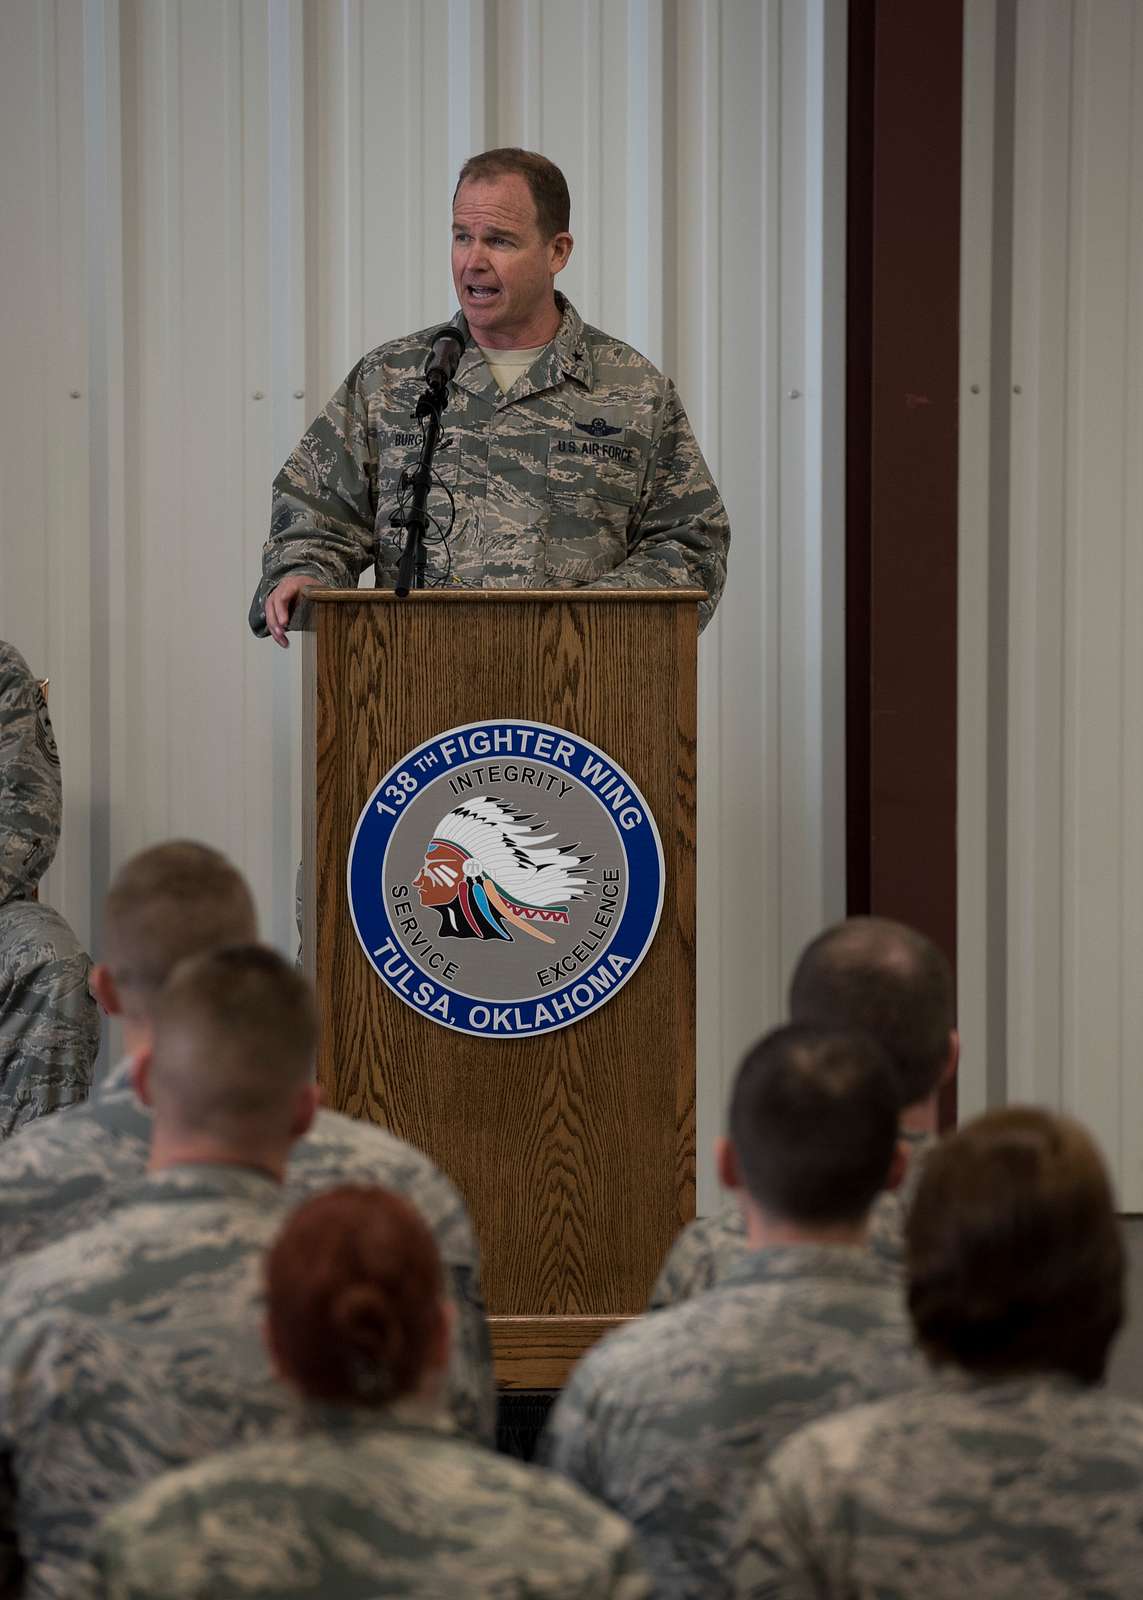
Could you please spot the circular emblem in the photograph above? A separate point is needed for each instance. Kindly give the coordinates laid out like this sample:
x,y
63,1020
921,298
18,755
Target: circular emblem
x,y
505,878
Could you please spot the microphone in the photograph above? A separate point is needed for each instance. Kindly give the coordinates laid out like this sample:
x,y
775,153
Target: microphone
x,y
444,357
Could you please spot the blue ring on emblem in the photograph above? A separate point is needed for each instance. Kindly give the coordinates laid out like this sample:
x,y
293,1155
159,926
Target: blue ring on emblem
x,y
423,991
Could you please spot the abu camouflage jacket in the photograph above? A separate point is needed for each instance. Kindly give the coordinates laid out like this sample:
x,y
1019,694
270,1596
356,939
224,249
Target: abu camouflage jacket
x,y
585,473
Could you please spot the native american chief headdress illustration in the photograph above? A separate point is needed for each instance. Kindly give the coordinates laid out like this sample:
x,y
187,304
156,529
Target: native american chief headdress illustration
x,y
491,871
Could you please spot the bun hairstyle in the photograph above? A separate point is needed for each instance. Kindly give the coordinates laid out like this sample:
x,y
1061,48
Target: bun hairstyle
x,y
354,1289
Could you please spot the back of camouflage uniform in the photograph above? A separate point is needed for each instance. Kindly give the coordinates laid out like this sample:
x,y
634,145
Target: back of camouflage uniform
x,y
62,1176
585,473
709,1249
366,1506
990,1489
181,1266
95,1409
49,1024
669,1420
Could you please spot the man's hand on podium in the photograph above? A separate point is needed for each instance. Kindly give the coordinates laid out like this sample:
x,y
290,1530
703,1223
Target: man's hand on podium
x,y
280,604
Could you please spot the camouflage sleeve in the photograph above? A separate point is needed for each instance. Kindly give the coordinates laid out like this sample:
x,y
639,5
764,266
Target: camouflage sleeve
x,y
471,1379
31,794
680,533
567,1442
687,1271
705,1250
321,519
49,1024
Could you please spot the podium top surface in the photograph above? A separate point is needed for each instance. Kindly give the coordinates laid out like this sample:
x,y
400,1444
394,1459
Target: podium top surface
x,y
500,596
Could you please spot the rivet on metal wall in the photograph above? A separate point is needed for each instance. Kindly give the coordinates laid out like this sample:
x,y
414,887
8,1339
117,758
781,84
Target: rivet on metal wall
x,y
299,394
795,394
975,388
257,395
1016,389
74,393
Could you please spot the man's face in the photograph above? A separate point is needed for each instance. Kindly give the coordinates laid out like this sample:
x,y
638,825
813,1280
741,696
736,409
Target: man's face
x,y
439,879
502,268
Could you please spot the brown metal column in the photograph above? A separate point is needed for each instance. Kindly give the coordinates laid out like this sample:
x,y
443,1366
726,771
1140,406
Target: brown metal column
x,y
905,274
903,346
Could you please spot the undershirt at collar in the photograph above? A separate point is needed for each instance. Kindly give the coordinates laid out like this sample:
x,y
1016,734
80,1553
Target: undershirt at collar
x,y
507,365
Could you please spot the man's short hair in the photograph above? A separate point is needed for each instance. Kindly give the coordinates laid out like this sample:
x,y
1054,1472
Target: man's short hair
x,y
1014,1255
235,1032
165,904
547,184
813,1122
889,981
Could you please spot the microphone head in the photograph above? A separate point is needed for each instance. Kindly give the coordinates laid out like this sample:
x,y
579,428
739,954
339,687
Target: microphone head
x,y
449,331
444,357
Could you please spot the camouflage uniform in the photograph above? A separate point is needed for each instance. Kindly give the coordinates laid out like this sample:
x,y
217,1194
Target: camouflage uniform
x,y
710,1247
65,1173
181,1264
93,1409
365,1507
1029,1486
49,1024
585,473
669,1420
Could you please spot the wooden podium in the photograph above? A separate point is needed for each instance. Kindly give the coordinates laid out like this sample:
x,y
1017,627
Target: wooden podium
x,y
573,1148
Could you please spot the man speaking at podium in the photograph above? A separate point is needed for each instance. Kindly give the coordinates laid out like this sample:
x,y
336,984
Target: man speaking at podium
x,y
567,459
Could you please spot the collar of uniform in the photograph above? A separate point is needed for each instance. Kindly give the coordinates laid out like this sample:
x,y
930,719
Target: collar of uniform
x,y
566,356
785,1262
1004,1389
410,1415
201,1180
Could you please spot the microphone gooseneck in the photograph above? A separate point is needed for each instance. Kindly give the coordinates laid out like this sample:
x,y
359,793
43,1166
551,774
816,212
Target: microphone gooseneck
x,y
446,349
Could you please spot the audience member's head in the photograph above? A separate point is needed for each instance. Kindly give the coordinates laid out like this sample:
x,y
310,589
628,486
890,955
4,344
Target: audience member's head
x,y
167,903
355,1300
813,1126
1014,1253
230,1070
893,984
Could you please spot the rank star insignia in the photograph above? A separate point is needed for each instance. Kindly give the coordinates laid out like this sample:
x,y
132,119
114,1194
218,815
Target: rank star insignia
x,y
598,428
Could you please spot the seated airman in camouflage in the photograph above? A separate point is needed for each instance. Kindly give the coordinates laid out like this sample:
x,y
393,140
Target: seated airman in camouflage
x,y
378,1495
1011,1471
229,1079
894,984
669,1420
66,1172
569,458
49,1023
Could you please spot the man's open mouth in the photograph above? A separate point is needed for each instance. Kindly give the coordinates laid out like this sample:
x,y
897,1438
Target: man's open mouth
x,y
481,291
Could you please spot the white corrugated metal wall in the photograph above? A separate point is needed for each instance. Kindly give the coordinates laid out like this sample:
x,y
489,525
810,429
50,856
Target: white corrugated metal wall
x,y
1051,831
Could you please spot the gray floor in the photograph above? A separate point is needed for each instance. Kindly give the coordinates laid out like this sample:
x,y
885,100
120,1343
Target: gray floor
x,y
1126,1375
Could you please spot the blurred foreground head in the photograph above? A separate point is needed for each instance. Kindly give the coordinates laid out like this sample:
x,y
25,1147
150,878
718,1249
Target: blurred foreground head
x,y
1014,1252
355,1311
165,904
813,1125
890,982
